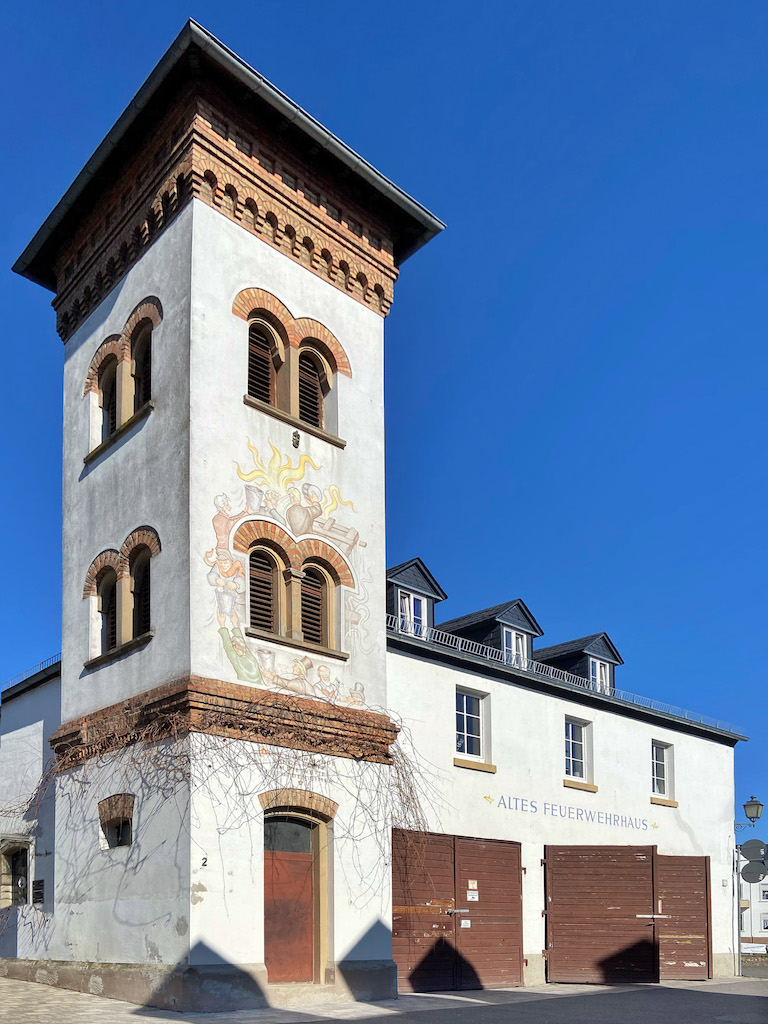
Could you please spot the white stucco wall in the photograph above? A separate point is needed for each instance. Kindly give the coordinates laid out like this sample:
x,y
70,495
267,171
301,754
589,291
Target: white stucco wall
x,y
526,801
142,480
225,260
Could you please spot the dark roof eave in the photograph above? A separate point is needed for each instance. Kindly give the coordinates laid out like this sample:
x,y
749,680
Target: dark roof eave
x,y
418,648
194,34
37,679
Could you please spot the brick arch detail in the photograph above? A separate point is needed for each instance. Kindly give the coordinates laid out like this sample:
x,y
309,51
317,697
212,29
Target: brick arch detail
x,y
299,799
143,535
255,530
119,345
110,347
249,299
109,559
305,328
324,552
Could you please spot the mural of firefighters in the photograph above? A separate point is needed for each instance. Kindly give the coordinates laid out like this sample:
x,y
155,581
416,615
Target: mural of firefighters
x,y
277,491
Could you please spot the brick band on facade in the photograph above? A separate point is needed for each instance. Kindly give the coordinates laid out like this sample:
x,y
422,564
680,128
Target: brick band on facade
x,y
212,707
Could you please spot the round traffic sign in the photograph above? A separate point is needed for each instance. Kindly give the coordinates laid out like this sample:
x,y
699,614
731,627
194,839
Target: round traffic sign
x,y
754,849
755,871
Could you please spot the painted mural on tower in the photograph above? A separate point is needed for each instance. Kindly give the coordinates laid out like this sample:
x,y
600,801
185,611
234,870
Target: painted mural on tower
x,y
297,498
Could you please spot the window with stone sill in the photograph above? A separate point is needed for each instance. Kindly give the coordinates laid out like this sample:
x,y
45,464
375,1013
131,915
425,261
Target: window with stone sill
x,y
471,725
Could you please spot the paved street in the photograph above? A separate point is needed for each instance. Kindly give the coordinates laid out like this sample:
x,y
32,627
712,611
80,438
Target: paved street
x,y
735,1001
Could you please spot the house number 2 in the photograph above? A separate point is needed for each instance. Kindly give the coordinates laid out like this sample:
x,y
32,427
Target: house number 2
x,y
205,862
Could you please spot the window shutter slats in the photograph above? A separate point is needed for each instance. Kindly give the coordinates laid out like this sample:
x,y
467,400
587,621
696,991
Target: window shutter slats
x,y
312,608
262,592
261,367
310,392
141,599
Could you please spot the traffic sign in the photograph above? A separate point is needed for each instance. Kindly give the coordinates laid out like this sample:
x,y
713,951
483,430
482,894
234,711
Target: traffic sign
x,y
755,871
754,849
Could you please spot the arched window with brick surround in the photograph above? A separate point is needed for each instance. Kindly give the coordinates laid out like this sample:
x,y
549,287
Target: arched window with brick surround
x,y
106,592
108,397
141,353
266,356
264,581
314,384
140,586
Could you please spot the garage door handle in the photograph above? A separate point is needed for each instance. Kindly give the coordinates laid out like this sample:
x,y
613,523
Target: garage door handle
x,y
656,917
457,910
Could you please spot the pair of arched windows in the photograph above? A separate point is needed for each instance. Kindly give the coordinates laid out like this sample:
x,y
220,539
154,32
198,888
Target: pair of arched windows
x,y
136,617
139,381
274,592
270,377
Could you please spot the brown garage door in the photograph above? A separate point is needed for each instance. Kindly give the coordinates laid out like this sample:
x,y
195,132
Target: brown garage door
x,y
433,877
622,913
683,927
599,907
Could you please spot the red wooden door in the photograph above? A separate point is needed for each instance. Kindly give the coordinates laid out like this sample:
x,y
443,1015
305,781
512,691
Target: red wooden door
x,y
289,900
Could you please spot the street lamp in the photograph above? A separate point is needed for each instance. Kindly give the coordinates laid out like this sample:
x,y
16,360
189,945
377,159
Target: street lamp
x,y
753,809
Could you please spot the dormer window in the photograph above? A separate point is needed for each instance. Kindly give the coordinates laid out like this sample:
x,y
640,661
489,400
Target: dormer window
x,y
413,613
600,675
515,647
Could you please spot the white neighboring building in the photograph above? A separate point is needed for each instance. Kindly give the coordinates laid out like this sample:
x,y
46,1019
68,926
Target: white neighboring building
x,y
753,898
218,831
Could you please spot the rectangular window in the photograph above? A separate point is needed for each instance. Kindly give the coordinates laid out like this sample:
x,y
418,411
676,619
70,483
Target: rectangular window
x,y
661,769
764,925
600,675
575,749
469,724
413,613
515,647
764,894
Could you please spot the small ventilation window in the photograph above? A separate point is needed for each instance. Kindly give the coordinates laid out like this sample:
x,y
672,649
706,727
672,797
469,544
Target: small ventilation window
x,y
313,613
262,592
116,821
118,832
261,366
310,391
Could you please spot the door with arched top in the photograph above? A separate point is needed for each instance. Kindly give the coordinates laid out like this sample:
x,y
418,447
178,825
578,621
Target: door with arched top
x,y
290,890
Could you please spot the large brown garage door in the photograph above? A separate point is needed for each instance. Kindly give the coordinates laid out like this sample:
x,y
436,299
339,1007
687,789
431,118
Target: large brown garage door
x,y
623,914
457,912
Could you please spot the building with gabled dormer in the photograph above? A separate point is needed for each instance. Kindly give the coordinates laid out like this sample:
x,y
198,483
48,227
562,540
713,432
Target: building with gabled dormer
x,y
258,775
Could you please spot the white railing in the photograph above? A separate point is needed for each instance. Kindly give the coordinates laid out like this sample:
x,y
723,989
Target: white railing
x,y
14,680
440,639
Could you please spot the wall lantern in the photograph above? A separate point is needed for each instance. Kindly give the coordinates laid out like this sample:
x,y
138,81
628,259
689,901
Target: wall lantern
x,y
753,809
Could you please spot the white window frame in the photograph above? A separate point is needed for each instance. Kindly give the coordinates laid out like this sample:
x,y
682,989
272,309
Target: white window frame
x,y
483,722
514,646
578,731
662,783
764,922
763,894
412,613
599,675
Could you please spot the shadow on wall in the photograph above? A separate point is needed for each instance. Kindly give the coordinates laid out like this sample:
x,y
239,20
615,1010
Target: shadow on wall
x,y
206,984
367,969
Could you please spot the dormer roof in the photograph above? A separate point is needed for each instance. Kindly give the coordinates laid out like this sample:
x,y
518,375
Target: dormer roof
x,y
599,645
510,613
414,575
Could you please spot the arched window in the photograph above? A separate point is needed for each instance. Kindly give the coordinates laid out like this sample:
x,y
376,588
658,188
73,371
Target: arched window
x,y
108,397
261,365
107,595
142,368
314,606
311,391
263,593
140,585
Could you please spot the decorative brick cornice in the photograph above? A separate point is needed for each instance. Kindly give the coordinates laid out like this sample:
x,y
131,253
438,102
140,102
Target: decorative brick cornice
x,y
294,552
264,188
300,800
212,707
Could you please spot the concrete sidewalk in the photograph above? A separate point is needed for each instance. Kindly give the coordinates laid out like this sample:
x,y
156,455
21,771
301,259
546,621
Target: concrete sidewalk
x,y
731,1001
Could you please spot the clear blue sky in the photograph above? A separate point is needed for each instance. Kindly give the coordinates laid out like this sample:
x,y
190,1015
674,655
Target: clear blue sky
x,y
576,367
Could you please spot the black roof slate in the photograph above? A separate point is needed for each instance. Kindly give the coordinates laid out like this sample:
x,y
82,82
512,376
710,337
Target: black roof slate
x,y
491,614
414,575
582,644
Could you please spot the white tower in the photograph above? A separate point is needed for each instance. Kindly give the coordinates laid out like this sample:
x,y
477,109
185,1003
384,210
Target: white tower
x,y
222,268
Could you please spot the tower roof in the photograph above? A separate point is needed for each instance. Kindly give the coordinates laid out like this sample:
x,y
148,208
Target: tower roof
x,y
197,55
